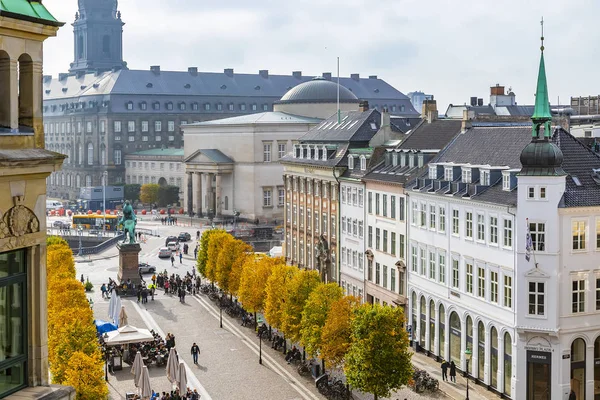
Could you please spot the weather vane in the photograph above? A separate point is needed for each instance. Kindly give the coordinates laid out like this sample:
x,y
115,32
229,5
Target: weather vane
x,y
542,23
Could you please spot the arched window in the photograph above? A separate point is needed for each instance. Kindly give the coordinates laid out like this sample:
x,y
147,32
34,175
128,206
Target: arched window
x,y
80,154
470,337
414,313
88,180
431,325
90,154
507,363
494,358
5,104
350,162
455,335
80,46
25,70
578,368
442,328
103,155
226,203
106,44
480,350
77,181
423,325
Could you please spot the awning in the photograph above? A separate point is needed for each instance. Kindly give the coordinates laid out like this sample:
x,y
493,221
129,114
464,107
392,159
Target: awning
x,y
128,334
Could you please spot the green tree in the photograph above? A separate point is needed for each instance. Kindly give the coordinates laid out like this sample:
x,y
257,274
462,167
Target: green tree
x,y
149,193
296,295
378,360
255,275
337,331
168,195
132,191
276,290
315,313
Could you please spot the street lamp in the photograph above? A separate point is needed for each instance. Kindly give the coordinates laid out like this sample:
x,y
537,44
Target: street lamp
x,y
468,358
220,312
104,179
80,234
260,347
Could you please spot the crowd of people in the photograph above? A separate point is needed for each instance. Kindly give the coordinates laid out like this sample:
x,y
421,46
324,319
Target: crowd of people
x,y
169,220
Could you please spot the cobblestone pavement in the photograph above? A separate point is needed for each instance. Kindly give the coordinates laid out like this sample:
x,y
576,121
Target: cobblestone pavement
x,y
228,367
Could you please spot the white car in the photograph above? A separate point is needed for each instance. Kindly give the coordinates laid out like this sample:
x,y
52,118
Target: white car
x,y
173,246
164,252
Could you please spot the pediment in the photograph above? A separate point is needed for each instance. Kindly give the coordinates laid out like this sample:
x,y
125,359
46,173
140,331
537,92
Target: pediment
x,y
536,273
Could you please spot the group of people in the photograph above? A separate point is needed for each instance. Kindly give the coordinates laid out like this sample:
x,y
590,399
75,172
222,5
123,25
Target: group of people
x,y
169,220
190,283
175,395
452,367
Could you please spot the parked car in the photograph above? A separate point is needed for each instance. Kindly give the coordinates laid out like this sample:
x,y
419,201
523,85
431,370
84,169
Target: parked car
x,y
171,239
173,246
144,268
184,237
164,252
61,225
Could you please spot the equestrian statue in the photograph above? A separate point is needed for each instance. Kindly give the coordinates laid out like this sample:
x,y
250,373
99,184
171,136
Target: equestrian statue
x,y
128,222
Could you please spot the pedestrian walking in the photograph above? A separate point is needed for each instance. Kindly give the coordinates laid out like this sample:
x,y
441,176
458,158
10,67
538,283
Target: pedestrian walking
x,y
197,235
444,371
82,280
180,257
196,253
195,352
172,260
452,371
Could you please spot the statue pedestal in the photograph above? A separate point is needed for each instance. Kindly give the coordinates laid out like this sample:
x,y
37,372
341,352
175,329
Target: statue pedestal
x,y
128,262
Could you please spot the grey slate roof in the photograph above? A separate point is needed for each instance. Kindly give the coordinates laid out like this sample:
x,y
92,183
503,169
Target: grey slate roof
x,y
356,126
273,117
431,135
318,90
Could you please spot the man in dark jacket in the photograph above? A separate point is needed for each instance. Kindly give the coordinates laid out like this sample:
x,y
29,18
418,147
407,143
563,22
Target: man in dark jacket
x,y
444,371
195,352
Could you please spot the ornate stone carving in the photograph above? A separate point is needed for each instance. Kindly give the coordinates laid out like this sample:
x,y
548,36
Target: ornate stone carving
x,y
18,221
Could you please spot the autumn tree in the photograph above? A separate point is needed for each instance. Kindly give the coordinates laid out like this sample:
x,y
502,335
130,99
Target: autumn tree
x,y
237,267
378,360
215,246
231,250
203,250
296,295
255,275
315,313
336,333
276,291
149,193
86,375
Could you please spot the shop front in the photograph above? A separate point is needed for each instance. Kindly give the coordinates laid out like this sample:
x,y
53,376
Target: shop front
x,y
539,375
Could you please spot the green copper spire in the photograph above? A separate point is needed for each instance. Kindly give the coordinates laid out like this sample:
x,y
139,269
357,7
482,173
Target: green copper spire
x,y
541,113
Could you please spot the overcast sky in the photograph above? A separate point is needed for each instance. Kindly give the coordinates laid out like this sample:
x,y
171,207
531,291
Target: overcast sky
x,y
451,49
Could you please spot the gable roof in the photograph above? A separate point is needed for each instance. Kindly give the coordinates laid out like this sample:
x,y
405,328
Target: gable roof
x,y
214,155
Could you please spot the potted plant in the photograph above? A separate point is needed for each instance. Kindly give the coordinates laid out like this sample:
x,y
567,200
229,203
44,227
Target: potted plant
x,y
88,285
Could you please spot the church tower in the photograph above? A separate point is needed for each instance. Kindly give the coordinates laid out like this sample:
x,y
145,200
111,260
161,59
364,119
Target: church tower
x,y
98,34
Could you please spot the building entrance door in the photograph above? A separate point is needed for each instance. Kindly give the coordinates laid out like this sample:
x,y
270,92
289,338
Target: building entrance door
x,y
539,366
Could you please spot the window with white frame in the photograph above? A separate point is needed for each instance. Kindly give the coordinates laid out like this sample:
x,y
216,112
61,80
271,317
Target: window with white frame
x,y
537,230
361,266
531,192
267,194
157,126
455,273
377,238
350,162
578,230
117,157
343,195
171,126
130,126
442,267
354,228
455,222
442,219
432,172
481,282
507,291
469,225
480,227
597,294
393,279
578,293
401,245
370,237
494,230
281,150
117,126
423,261
384,205
377,204
542,193
432,216
267,152
469,277
466,175
393,207
360,229
88,127
401,208
508,233
537,294
448,174
144,126
343,224
485,178
494,286
505,182
415,212
432,265
377,273
354,196
363,163
423,215
343,256
413,256
393,243
361,200
349,222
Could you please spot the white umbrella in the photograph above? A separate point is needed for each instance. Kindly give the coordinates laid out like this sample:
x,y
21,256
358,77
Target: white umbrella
x,y
112,304
145,383
182,379
123,317
128,334
136,369
172,366
117,310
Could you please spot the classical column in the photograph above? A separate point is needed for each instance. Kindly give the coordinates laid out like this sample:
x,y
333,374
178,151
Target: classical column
x,y
198,193
190,193
427,326
218,195
209,197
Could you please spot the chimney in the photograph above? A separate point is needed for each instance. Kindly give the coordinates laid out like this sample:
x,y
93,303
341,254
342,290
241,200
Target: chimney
x,y
473,101
466,121
363,106
327,75
355,77
297,74
228,72
372,76
480,102
497,90
429,110
193,71
385,118
264,73
155,69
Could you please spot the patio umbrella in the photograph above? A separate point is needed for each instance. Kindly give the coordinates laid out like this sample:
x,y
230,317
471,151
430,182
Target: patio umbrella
x,y
182,379
111,304
104,326
117,310
172,366
136,369
123,317
145,383
128,334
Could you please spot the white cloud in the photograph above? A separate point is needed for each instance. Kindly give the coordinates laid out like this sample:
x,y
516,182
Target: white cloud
x,y
451,49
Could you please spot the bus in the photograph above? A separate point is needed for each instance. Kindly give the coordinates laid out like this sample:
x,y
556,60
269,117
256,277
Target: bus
x,y
94,221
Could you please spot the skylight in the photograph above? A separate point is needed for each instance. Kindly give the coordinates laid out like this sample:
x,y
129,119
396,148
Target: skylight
x,y
373,126
576,180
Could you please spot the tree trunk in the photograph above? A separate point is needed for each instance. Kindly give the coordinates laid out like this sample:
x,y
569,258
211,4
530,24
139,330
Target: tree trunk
x,y
375,396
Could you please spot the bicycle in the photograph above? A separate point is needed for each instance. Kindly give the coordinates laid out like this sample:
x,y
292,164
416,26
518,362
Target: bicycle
x,y
304,368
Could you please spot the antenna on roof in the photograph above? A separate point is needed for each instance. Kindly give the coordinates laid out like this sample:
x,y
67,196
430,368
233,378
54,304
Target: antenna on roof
x,y
338,91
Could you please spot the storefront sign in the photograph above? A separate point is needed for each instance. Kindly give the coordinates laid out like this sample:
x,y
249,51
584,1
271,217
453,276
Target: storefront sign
x,y
455,294
539,357
566,356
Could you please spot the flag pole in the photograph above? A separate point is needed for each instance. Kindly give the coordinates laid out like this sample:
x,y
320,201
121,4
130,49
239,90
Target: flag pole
x,y
338,92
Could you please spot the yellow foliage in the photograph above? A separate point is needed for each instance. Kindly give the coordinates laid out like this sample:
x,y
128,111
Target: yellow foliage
x,y
59,262
276,288
215,245
336,333
315,313
255,275
296,294
235,275
86,375
231,250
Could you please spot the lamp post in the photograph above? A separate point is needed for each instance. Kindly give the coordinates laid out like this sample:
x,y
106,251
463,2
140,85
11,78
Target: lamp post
x,y
105,336
80,234
220,313
468,358
260,348
104,179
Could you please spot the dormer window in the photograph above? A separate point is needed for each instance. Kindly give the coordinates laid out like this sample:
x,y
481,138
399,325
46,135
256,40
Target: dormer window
x,y
351,162
394,159
402,160
169,105
363,163
485,178
448,174
432,172
324,153
143,105
506,182
420,160
466,175
411,160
